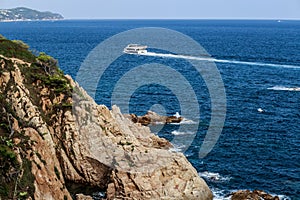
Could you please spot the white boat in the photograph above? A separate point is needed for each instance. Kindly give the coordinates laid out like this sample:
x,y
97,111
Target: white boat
x,y
135,49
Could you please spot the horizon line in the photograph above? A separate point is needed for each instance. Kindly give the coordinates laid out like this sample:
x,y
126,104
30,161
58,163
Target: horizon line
x,y
277,19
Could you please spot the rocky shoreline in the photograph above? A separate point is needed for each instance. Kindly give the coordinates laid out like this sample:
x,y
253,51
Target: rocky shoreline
x,y
57,143
53,133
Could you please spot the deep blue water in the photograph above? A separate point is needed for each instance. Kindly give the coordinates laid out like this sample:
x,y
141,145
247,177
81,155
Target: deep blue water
x,y
255,150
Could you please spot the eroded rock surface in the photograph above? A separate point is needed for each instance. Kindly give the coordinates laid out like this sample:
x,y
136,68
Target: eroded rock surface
x,y
70,139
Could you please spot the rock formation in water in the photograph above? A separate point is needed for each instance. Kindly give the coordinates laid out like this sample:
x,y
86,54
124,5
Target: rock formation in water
x,y
252,195
55,141
153,118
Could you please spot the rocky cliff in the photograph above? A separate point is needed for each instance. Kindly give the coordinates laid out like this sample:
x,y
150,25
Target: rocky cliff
x,y
56,142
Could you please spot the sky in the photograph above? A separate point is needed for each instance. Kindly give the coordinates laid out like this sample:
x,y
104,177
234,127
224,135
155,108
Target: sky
x,y
164,9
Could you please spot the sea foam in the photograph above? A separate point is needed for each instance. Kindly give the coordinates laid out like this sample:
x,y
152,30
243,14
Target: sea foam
x,y
214,177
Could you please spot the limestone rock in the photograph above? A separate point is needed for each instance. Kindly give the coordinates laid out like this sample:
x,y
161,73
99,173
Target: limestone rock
x,y
26,119
74,140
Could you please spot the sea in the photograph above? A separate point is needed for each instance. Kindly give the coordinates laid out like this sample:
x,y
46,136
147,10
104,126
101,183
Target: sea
x,y
257,65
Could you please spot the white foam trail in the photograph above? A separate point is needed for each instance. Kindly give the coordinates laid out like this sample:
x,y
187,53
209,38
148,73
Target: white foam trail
x,y
218,60
282,88
187,121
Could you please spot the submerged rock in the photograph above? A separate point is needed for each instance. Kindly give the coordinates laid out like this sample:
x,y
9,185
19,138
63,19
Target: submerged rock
x,y
153,118
252,195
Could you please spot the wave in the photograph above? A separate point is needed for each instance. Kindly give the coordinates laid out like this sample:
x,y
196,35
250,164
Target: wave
x,y
187,121
177,148
283,197
152,54
282,88
226,194
214,177
184,121
182,133
220,194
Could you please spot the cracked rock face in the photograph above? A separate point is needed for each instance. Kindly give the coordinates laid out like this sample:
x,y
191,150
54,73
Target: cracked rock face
x,y
80,142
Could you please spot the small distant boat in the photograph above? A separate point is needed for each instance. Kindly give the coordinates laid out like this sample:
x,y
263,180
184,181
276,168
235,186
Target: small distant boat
x,y
135,49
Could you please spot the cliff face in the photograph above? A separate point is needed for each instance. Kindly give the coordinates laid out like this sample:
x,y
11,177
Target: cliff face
x,y
56,141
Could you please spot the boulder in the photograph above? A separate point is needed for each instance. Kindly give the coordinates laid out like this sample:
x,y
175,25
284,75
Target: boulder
x,y
153,118
252,195
173,119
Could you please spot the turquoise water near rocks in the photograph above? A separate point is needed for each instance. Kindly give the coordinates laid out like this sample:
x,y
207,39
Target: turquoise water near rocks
x,y
256,150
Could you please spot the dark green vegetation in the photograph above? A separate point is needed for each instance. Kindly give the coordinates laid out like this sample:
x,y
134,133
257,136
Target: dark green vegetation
x,y
16,179
39,72
21,13
15,49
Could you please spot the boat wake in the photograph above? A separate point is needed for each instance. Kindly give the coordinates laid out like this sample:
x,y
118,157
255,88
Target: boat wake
x,y
209,59
282,88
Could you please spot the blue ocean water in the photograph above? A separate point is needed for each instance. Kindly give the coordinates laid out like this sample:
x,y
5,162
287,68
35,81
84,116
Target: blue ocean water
x,y
256,150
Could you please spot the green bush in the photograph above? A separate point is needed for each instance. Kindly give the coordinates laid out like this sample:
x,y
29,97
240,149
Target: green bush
x,y
15,49
7,154
44,57
21,43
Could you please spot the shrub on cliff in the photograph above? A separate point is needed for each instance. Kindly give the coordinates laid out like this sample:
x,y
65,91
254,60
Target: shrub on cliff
x,y
16,178
15,49
21,43
48,63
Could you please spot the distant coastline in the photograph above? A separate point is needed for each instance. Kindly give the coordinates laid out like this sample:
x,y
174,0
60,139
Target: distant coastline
x,y
31,20
27,14
177,19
